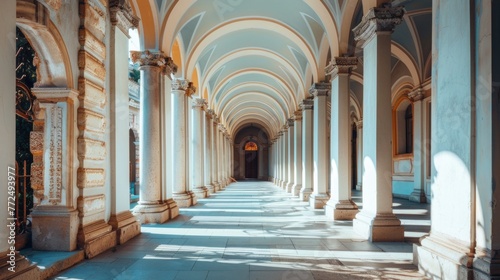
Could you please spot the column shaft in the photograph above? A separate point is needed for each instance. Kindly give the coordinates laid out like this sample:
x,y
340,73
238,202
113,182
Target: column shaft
x,y
208,132
319,196
340,206
418,194
122,220
297,147
359,150
181,195
376,221
291,157
307,106
197,156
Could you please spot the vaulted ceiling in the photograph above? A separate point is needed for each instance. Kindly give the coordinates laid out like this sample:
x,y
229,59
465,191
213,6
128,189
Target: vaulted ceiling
x,y
254,60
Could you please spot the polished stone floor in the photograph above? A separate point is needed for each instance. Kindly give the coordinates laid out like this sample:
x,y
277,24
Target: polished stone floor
x,y
254,230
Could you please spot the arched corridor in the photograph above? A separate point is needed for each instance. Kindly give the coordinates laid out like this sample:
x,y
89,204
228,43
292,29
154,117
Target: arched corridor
x,y
254,230
358,118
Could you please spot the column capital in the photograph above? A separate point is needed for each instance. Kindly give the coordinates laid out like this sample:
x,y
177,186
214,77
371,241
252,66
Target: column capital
x,y
416,95
359,124
306,104
341,65
320,89
378,19
297,115
291,122
185,85
210,113
198,103
121,15
154,58
285,127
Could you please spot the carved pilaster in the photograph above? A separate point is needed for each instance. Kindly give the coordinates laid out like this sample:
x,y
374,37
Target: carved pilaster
x,y
320,89
341,65
416,95
121,15
381,19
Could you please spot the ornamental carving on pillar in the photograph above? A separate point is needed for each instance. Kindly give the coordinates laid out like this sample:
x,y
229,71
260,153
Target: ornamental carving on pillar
x,y
198,103
416,95
342,64
149,58
191,89
55,156
290,122
381,19
210,113
359,124
320,89
180,84
121,15
306,104
297,115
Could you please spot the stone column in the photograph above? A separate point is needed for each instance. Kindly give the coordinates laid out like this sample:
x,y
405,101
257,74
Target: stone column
x,y
220,156
359,149
278,159
465,216
183,197
197,156
285,156
319,197
340,206
215,152
307,106
291,155
418,194
297,150
208,158
151,207
376,221
122,220
56,213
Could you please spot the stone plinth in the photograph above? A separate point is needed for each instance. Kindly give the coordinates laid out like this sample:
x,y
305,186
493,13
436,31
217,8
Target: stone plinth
x,y
54,228
343,210
381,228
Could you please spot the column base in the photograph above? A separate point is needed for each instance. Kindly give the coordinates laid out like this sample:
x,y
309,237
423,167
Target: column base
x,y
152,213
318,201
359,187
210,188
439,256
305,193
216,186
185,200
288,187
486,264
283,185
344,210
173,209
201,192
381,228
126,226
296,189
418,196
96,238
54,228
